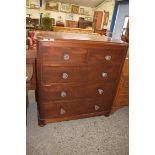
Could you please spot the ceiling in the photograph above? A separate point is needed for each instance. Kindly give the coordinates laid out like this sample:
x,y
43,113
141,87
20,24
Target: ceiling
x,y
87,3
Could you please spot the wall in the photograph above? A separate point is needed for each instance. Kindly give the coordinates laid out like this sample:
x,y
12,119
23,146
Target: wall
x,y
123,11
54,14
107,5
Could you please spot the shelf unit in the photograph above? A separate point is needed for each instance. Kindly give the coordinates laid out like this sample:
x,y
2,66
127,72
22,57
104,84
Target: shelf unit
x,y
60,11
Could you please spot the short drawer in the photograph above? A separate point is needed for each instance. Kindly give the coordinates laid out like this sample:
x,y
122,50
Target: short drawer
x,y
106,56
79,74
74,91
75,107
68,56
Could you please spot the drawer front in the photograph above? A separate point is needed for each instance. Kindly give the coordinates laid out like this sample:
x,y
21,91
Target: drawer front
x,y
73,91
106,56
47,110
78,74
68,56
74,107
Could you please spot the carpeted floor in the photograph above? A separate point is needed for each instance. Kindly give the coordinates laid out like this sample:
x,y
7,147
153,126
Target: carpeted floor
x,y
91,136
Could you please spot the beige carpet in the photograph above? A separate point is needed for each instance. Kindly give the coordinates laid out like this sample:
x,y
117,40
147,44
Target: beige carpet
x,y
91,136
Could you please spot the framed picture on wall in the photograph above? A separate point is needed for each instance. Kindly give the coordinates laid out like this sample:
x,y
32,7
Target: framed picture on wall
x,y
27,3
106,18
75,9
51,6
82,11
65,7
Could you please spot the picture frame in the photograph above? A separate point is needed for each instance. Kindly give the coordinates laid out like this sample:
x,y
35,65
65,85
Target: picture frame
x,y
51,6
75,9
82,11
32,6
65,7
28,3
106,18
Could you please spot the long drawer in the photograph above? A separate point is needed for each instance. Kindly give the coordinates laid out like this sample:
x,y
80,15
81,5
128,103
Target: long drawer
x,y
73,107
74,91
79,74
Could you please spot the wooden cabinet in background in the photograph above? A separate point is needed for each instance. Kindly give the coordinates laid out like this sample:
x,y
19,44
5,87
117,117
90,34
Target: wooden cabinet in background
x,y
122,95
84,24
98,15
71,23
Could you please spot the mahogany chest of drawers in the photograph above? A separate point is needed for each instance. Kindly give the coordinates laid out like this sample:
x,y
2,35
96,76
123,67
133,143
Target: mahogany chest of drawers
x,y
77,78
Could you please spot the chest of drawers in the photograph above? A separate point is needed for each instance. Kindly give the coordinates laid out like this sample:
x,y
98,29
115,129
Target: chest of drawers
x,y
77,79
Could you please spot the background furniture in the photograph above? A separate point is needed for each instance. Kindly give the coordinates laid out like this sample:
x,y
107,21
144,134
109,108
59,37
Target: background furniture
x,y
31,60
98,15
76,78
71,23
122,95
84,24
29,74
101,32
71,29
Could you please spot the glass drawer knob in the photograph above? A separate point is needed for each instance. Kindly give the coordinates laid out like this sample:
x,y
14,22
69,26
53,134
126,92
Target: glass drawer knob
x,y
104,74
64,75
62,111
96,107
107,57
63,94
66,56
100,91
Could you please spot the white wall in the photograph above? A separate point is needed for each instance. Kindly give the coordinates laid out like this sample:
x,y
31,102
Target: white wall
x,y
123,11
107,5
54,14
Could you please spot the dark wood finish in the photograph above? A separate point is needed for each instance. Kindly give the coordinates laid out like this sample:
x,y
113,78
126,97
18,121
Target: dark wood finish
x,y
97,56
73,91
84,24
73,107
86,91
55,55
90,74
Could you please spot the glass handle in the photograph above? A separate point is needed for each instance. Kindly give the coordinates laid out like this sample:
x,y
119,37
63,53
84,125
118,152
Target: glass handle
x,y
64,75
62,111
104,74
108,57
63,94
100,91
66,56
96,107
